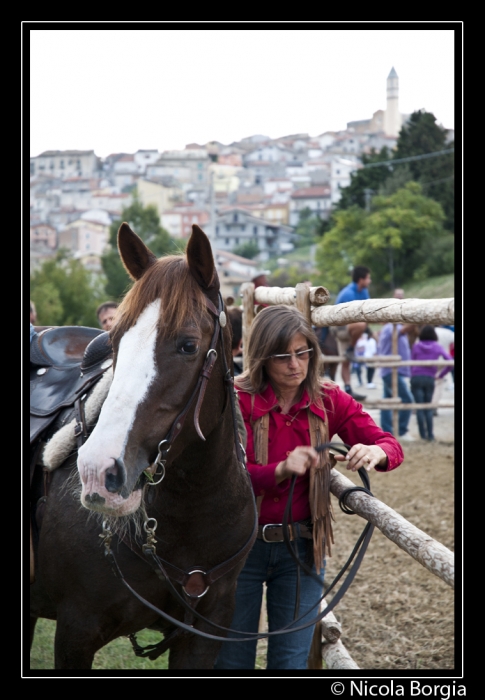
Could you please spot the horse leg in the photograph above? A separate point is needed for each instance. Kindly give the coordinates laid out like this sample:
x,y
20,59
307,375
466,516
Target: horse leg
x,y
75,641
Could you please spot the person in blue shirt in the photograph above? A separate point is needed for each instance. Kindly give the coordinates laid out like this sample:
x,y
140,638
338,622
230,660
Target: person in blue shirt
x,y
384,347
347,336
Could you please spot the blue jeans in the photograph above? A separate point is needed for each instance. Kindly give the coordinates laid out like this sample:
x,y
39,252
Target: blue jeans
x,y
405,395
422,387
271,563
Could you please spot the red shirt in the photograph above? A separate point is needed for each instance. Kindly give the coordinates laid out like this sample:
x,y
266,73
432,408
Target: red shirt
x,y
346,419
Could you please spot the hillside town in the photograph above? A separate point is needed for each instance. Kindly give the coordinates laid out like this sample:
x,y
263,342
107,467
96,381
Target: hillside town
x,y
249,191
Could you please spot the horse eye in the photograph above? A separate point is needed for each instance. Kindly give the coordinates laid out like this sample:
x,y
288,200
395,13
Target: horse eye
x,y
188,347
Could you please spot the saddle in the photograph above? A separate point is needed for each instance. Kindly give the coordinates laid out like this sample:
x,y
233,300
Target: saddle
x,y
65,362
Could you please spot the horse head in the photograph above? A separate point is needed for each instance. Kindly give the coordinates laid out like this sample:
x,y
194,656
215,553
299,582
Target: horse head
x,y
164,343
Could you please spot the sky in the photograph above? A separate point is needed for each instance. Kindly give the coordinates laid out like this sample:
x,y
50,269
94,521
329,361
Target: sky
x,y
125,88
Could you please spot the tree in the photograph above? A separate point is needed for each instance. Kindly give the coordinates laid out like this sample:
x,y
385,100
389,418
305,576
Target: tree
x,y
145,222
307,228
365,180
65,293
247,250
398,239
419,136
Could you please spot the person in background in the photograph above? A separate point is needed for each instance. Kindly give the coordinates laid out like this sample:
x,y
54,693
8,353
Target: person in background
x,y
287,409
384,347
369,351
235,319
106,313
398,293
347,336
423,377
357,367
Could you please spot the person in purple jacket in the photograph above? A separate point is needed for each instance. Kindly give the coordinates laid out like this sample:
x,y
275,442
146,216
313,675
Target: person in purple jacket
x,y
423,376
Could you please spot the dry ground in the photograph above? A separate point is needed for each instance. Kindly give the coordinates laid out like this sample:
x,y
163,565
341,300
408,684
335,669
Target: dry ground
x,y
397,614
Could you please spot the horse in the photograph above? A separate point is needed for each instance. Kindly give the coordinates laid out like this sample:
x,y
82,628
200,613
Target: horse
x,y
161,462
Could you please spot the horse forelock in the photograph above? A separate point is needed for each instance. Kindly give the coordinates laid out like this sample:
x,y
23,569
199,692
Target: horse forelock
x,y
170,281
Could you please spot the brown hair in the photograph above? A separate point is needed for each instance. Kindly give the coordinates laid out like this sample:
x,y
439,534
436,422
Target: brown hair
x,y
271,333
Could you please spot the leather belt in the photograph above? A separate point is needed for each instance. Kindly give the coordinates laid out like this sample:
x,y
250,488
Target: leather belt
x,y
274,532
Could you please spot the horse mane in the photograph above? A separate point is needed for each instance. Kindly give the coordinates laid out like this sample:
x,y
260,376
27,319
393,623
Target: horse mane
x,y
182,299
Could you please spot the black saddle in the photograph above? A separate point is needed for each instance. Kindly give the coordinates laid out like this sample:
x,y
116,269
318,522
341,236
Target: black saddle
x,y
64,363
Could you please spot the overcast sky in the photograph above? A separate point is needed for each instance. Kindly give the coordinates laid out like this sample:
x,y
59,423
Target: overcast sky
x,y
120,90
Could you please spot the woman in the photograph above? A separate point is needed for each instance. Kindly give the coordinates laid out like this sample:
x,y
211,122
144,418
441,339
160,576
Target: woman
x,y
287,407
423,377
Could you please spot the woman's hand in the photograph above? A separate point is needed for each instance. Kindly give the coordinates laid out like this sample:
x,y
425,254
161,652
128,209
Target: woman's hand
x,y
367,456
297,462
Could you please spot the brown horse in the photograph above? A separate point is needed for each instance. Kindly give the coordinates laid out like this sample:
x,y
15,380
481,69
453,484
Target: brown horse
x,y
167,515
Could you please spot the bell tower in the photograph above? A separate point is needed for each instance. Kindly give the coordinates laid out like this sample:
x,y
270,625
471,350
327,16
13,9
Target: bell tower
x,y
392,116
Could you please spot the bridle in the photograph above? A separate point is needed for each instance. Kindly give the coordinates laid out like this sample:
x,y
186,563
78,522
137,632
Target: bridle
x,y
195,582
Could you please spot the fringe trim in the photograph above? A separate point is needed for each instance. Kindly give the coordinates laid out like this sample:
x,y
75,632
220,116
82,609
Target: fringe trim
x,y
319,497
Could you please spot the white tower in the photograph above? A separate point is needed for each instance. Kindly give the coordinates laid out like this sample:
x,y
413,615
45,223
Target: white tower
x,y
392,116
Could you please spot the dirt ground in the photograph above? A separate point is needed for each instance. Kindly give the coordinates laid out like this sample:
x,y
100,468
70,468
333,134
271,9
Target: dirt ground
x,y
397,614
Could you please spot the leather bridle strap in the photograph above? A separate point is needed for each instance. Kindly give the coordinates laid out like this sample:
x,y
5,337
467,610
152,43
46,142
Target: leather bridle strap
x,y
200,386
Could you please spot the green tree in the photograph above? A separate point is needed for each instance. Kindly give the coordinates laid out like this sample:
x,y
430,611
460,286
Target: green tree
x,y
398,239
365,180
307,228
145,222
247,250
65,293
419,136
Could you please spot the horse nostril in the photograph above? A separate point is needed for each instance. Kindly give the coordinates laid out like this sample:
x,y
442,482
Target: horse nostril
x,y
115,477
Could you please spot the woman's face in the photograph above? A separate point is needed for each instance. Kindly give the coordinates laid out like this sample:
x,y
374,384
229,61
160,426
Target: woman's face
x,y
287,375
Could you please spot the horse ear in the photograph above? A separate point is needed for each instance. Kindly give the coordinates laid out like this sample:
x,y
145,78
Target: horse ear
x,y
134,254
200,260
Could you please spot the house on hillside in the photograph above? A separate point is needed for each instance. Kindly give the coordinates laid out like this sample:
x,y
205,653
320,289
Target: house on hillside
x,y
236,226
317,199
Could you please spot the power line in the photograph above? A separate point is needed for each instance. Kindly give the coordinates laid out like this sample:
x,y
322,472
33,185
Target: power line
x,y
433,182
406,160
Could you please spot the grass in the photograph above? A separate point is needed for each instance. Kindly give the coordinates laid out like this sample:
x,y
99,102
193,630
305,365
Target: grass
x,y
117,655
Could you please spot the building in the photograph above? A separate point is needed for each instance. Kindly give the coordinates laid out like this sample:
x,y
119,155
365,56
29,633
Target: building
x,y
236,226
317,199
44,235
179,220
64,164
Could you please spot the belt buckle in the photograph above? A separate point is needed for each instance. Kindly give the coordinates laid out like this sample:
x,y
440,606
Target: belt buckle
x,y
291,534
264,529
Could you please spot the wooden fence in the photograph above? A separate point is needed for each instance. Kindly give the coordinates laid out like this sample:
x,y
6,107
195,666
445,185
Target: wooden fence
x,y
311,302
431,554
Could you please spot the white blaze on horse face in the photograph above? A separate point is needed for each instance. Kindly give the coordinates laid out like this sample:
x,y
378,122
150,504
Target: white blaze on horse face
x,y
134,373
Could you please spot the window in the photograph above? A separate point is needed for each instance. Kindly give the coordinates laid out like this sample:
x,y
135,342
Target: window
x,y
243,227
234,218
61,165
227,241
255,230
236,241
217,230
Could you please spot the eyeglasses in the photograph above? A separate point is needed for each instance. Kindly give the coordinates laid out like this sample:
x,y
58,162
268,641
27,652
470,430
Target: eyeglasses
x,y
282,359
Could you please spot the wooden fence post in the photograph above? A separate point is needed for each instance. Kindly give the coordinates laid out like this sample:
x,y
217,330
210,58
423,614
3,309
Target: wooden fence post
x,y
247,293
395,390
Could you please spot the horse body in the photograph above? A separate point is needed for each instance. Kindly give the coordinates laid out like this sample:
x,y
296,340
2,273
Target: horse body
x,y
163,392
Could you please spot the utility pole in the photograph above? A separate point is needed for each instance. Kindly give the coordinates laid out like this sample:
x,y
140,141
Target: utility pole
x,y
367,194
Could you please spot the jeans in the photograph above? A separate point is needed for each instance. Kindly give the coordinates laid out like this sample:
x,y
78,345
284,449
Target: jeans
x,y
422,387
405,395
271,563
